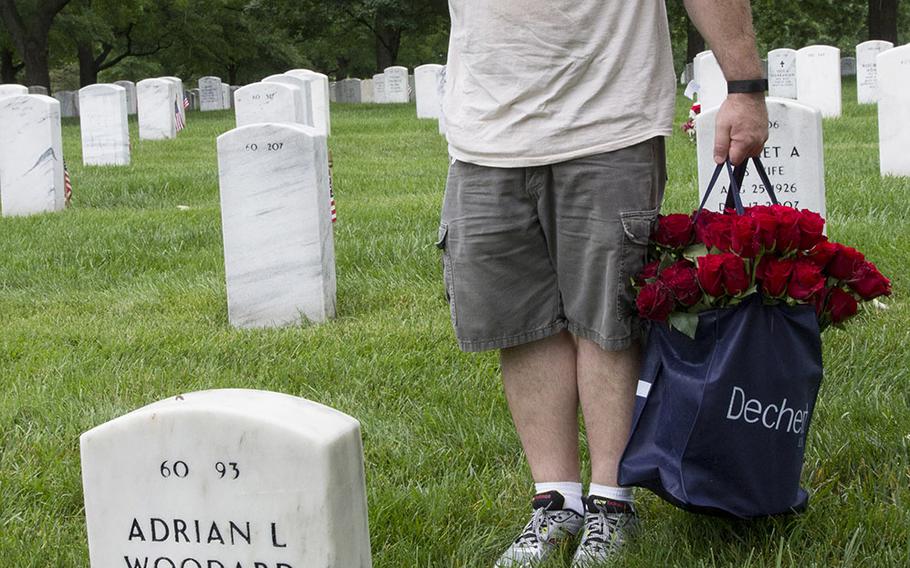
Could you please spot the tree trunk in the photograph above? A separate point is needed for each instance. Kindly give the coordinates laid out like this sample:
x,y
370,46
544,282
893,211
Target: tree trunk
x,y
695,44
31,39
88,71
232,70
388,40
37,68
883,20
8,68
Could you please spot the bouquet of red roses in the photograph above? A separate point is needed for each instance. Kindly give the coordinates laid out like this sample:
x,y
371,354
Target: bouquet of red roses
x,y
711,260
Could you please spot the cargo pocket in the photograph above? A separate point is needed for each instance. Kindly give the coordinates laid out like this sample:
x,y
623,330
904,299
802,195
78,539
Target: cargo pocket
x,y
442,243
636,227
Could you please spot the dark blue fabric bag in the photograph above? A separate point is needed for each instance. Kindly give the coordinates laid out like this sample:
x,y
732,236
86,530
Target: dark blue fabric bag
x,y
721,420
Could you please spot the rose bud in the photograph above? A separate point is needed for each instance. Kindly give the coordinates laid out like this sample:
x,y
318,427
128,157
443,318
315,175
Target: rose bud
x,y
744,237
774,274
710,274
765,226
821,301
822,253
811,228
805,281
841,305
845,262
682,279
736,279
716,233
674,231
655,302
868,282
788,233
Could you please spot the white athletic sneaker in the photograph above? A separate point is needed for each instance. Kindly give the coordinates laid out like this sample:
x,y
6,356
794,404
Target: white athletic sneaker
x,y
550,526
608,524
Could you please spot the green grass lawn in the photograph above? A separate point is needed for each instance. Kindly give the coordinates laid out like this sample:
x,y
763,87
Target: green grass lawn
x,y
120,301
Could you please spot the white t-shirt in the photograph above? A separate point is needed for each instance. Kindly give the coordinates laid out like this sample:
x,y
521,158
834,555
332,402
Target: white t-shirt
x,y
536,82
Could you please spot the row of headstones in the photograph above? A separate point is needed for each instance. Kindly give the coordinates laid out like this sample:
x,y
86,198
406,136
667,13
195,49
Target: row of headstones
x,y
298,96
812,76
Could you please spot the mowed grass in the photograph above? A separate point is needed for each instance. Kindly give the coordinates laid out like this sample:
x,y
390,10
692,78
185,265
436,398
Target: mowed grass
x,y
120,301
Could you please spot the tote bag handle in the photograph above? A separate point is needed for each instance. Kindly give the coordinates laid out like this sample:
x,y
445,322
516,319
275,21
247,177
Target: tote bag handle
x,y
734,201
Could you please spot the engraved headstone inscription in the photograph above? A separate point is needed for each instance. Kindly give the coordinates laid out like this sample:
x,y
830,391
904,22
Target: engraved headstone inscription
x,y
226,479
104,125
157,115
268,102
304,94
31,155
818,80
211,95
894,110
866,70
793,157
782,73
279,252
396,84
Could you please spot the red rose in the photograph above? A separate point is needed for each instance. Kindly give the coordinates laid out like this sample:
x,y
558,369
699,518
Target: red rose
x,y
788,232
868,282
716,231
845,262
655,302
710,274
822,253
674,231
682,279
774,274
821,301
736,279
744,237
811,227
765,225
841,305
722,273
806,280
649,272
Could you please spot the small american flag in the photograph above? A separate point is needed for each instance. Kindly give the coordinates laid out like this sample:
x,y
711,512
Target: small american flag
x,y
186,101
332,192
67,186
180,124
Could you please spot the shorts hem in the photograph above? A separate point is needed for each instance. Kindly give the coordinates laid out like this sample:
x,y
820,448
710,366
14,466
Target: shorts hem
x,y
607,344
475,346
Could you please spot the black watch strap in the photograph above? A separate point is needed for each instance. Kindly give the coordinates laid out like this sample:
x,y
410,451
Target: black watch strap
x,y
747,86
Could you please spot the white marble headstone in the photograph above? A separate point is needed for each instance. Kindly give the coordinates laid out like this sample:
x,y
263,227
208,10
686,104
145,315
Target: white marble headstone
x,y
848,66
319,92
178,99
157,115
412,89
793,157
304,93
426,87
279,252
333,92
866,76
712,86
9,89
818,79
37,90
211,94
440,94
268,102
131,103
396,84
379,88
782,73
226,479
226,102
31,155
69,107
894,110
366,91
104,124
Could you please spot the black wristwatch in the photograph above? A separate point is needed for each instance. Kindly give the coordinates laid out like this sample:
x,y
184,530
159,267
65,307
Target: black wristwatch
x,y
747,86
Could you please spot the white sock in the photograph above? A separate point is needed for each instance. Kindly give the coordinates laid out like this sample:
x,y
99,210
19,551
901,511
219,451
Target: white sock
x,y
614,493
570,491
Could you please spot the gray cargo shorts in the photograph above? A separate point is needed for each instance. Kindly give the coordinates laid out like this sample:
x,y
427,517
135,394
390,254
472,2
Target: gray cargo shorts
x,y
528,252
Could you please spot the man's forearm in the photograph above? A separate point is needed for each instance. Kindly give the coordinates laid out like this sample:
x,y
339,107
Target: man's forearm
x,y
727,27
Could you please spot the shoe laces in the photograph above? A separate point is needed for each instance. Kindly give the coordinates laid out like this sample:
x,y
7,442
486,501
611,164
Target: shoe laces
x,y
603,531
532,533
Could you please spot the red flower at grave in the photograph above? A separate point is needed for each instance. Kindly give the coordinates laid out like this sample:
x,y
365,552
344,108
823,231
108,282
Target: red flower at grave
x,y
765,225
788,231
822,253
682,279
806,281
845,262
868,282
648,272
722,273
841,305
716,231
674,231
811,228
655,301
774,274
744,239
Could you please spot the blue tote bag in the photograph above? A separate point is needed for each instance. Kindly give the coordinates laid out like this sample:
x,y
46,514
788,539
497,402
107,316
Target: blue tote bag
x,y
721,420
